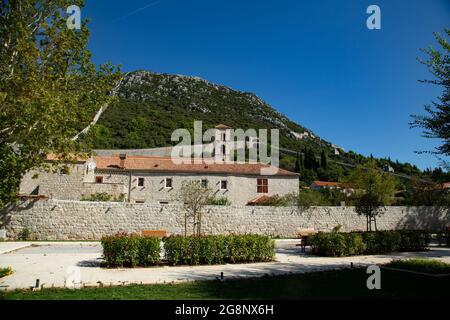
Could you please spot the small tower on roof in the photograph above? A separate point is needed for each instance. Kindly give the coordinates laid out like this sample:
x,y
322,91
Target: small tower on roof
x,y
222,142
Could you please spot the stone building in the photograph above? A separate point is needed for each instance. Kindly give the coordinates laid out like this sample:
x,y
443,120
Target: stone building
x,y
146,179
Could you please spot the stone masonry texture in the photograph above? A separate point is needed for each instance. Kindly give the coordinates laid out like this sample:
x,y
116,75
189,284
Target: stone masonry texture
x,y
66,219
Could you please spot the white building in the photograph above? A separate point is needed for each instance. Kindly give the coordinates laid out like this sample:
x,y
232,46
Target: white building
x,y
137,178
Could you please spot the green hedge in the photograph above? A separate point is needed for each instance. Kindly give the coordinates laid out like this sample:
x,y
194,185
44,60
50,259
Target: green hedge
x,y
338,244
218,249
130,250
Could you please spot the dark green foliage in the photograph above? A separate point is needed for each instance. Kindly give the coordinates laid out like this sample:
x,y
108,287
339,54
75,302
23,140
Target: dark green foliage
x,y
382,241
103,196
436,122
355,244
130,250
413,240
178,249
218,249
323,161
337,244
421,265
220,201
346,284
24,234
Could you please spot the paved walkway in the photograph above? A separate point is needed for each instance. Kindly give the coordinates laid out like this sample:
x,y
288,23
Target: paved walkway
x,y
6,246
54,262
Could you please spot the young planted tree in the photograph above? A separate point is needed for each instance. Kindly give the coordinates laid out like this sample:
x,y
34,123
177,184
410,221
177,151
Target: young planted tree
x,y
436,123
49,88
194,197
374,190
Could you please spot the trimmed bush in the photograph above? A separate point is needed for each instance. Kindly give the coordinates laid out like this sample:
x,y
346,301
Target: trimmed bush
x,y
414,240
355,244
130,250
218,249
337,244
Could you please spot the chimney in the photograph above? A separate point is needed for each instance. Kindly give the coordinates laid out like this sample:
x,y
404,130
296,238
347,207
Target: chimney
x,y
122,158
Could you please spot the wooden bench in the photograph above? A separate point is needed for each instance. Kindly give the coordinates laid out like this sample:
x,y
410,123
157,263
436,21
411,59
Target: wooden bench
x,y
154,233
303,235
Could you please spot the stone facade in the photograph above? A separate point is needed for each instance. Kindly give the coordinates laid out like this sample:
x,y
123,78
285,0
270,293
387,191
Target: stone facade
x,y
74,184
80,181
63,219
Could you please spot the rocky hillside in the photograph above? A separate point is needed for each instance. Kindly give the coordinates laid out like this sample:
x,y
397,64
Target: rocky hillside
x,y
152,105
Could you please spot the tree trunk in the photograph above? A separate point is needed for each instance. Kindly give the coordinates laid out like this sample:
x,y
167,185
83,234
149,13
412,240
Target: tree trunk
x,y
199,224
185,224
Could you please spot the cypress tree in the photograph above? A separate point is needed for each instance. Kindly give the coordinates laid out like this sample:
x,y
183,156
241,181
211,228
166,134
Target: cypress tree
x,y
323,160
297,163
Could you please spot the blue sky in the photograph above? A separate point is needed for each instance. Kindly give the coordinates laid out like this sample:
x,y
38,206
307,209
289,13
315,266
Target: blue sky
x,y
314,61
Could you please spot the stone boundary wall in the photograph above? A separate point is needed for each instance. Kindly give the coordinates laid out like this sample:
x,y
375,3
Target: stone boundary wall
x,y
65,219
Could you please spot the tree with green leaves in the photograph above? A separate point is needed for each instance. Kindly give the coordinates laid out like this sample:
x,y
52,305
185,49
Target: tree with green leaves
x,y
374,190
436,123
49,88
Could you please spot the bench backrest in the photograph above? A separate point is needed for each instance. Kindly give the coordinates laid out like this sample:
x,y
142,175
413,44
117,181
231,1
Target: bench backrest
x,y
154,233
306,232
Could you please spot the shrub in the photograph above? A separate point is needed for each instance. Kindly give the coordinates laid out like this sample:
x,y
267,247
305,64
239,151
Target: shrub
x,y
130,250
390,241
332,244
220,201
218,249
103,197
6,272
355,244
213,249
372,241
24,234
414,240
337,244
177,250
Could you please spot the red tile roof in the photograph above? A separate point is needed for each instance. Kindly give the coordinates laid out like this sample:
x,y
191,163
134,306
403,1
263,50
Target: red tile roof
x,y
331,184
326,184
163,164
222,126
259,200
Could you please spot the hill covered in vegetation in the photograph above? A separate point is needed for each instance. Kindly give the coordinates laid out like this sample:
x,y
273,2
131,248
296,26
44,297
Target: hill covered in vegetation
x,y
152,105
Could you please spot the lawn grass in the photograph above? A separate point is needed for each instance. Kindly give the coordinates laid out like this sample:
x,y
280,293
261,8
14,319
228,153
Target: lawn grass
x,y
421,265
344,284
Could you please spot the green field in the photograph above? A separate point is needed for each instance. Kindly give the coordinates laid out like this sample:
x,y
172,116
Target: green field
x,y
345,284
